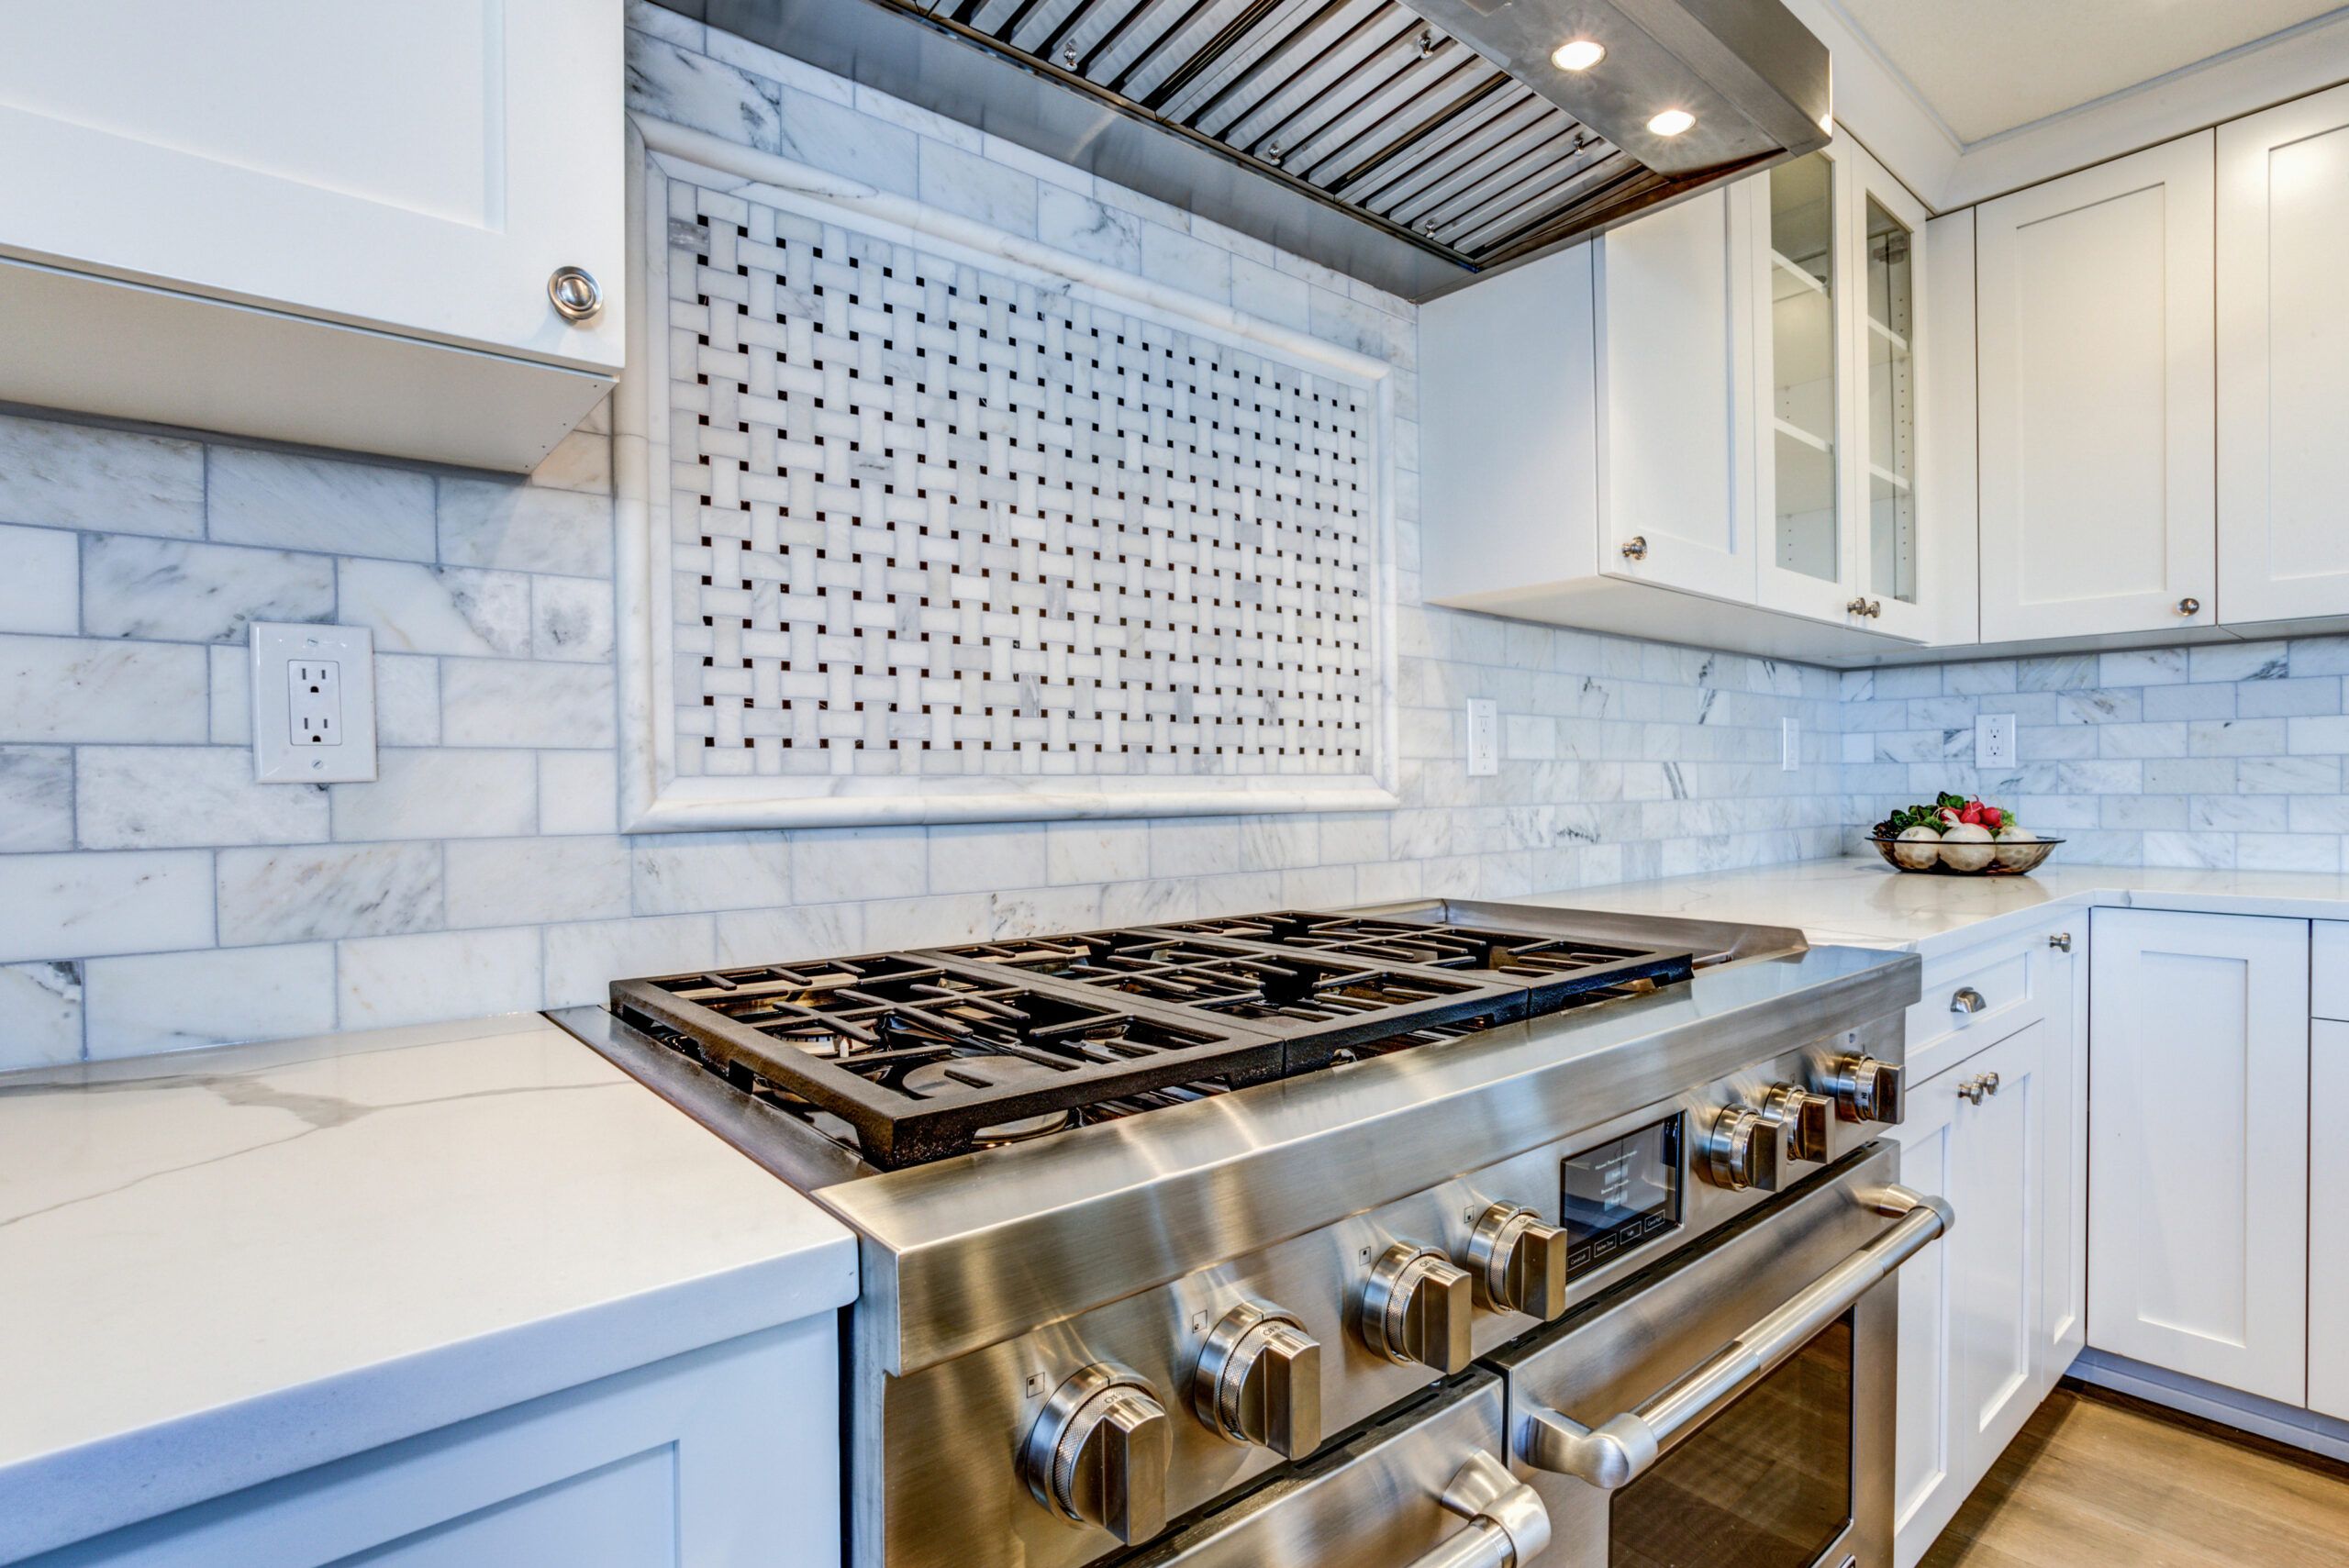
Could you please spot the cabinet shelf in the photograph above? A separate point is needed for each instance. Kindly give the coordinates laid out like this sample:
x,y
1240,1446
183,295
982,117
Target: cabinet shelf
x,y
1793,431
1883,479
1890,339
1790,278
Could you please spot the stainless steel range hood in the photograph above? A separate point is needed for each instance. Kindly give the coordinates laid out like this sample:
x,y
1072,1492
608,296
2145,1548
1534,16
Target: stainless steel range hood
x,y
1412,146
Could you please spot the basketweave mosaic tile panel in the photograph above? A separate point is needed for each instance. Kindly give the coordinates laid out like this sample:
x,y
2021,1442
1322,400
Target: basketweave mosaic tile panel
x,y
951,537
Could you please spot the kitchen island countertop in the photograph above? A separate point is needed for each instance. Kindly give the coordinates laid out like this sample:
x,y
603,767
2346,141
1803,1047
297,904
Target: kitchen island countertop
x,y
219,1267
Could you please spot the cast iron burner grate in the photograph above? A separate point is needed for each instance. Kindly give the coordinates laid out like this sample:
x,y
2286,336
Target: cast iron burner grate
x,y
921,1058
912,1056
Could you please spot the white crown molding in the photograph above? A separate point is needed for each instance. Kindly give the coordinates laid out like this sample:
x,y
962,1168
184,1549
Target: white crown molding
x,y
1880,107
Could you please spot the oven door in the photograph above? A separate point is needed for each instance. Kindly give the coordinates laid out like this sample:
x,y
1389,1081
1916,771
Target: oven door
x,y
1429,1487
1734,1409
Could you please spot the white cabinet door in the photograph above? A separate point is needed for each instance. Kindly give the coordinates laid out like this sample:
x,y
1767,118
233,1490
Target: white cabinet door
x,y
2199,1146
1893,559
1928,1484
422,171
1675,405
2063,1196
1969,1305
2096,399
2328,1224
2284,361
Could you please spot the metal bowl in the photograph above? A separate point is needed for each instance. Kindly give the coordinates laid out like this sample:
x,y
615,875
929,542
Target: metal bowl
x,y
2015,859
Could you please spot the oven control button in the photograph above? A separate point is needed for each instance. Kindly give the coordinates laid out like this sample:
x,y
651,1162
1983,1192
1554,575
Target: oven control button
x,y
1865,1089
1741,1150
1801,1118
1417,1307
1517,1264
1259,1381
1099,1452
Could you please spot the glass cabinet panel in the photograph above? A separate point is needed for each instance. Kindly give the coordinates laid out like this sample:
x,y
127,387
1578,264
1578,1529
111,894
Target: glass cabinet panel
x,y
1892,407
1806,536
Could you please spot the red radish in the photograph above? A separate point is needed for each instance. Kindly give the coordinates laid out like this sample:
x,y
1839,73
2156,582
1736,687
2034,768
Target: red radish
x,y
1973,812
1993,818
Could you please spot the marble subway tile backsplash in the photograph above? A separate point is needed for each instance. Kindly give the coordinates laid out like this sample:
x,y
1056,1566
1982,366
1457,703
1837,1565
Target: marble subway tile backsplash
x,y
152,898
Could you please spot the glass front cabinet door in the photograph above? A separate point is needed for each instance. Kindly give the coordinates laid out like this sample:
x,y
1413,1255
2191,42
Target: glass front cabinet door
x,y
1836,268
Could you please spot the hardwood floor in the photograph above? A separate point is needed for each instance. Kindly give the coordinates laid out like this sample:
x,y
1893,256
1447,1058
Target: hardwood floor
x,y
2099,1481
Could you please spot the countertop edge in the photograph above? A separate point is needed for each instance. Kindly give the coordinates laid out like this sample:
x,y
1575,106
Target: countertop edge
x,y
68,1495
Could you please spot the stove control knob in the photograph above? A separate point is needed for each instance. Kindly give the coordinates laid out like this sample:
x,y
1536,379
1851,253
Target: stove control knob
x,y
1099,1452
1801,1118
1741,1150
1417,1307
1518,1265
1865,1089
1259,1381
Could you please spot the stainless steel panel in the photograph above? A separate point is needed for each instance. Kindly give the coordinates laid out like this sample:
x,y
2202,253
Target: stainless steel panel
x,y
1622,1350
945,1434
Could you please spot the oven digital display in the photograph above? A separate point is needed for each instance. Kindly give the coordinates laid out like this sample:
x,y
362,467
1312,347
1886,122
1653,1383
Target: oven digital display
x,y
1621,1194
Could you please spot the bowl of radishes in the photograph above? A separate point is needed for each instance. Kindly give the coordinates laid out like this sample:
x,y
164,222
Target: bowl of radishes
x,y
1958,836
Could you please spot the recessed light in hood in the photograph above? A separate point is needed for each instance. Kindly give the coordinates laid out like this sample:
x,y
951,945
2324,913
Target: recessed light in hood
x,y
1578,54
1411,146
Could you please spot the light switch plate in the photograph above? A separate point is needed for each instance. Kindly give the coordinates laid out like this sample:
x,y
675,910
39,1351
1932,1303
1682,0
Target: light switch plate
x,y
1994,741
1483,738
1789,743
313,703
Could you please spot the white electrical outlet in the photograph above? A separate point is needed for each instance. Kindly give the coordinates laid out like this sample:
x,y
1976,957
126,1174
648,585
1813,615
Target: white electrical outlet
x,y
1483,738
1790,744
1994,741
313,703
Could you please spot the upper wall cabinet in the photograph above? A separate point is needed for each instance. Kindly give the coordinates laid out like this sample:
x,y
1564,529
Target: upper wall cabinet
x,y
2094,296
307,223
2283,242
1720,399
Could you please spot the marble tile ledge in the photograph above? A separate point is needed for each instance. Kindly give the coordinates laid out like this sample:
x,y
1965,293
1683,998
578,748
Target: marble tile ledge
x,y
1863,902
241,1262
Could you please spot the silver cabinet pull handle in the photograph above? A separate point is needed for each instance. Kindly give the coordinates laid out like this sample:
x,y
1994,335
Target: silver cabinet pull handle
x,y
1972,1090
2061,941
574,294
2189,607
1618,1451
1506,1523
1636,548
1965,1000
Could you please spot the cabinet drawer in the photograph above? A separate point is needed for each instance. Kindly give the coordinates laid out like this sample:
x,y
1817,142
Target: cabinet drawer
x,y
2329,969
2009,977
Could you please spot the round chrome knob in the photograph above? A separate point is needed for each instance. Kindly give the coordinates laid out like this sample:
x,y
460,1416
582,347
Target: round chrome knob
x,y
575,294
1099,1452
2189,607
1517,1264
1259,1381
1865,1089
1856,607
1417,1307
1636,548
1741,1150
1801,1119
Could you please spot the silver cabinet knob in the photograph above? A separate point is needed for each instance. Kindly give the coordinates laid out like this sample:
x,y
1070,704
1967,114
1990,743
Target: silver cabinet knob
x,y
1259,1381
2061,941
1741,1150
575,294
1972,1089
1417,1308
1875,608
1517,1264
2189,607
1856,607
1636,548
1965,1001
1865,1089
1801,1119
1099,1452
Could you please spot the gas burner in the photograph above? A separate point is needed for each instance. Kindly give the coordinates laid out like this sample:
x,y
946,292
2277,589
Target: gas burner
x,y
922,1057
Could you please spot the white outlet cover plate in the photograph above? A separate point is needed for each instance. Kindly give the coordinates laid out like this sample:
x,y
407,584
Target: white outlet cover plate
x,y
1483,738
1994,741
278,758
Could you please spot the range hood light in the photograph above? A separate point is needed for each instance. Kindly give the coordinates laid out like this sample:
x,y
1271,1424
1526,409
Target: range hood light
x,y
1578,54
1671,122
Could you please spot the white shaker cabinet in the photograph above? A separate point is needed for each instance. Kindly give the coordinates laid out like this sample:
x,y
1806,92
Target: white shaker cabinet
x,y
2199,1146
2283,241
2095,386
2328,1222
318,223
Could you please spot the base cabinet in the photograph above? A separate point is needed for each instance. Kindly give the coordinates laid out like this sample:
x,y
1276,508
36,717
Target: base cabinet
x,y
699,1460
2198,1156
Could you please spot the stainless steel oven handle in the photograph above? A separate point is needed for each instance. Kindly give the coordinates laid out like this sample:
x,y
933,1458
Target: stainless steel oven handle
x,y
1506,1523
1618,1450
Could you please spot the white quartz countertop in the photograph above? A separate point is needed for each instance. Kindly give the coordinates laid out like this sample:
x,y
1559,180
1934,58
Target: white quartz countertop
x,y
1863,902
222,1266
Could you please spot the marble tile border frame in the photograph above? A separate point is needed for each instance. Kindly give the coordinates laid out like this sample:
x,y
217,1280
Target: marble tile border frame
x,y
654,798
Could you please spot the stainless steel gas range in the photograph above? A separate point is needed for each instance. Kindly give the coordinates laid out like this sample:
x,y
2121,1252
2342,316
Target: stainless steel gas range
x,y
1445,1233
